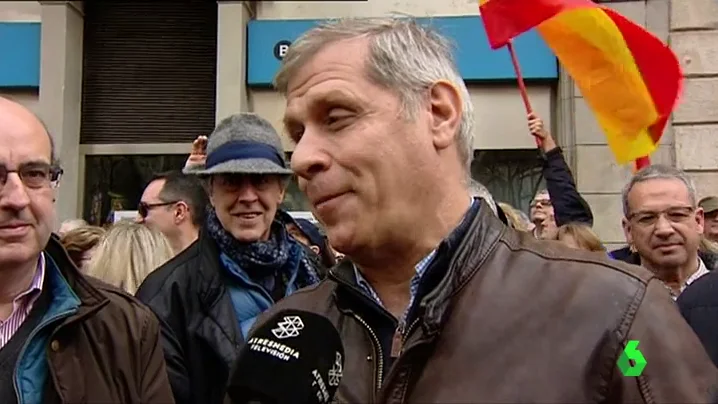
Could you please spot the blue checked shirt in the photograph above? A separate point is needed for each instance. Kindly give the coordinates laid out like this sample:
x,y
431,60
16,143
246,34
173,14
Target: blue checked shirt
x,y
420,268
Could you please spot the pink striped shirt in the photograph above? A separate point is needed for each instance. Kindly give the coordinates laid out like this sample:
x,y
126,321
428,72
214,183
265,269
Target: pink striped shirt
x,y
23,304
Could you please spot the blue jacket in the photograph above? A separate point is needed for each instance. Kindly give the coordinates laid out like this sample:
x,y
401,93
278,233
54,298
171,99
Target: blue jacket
x,y
31,369
250,299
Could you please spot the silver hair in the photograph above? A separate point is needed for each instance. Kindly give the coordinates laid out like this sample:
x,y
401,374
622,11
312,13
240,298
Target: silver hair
x,y
404,56
478,189
657,172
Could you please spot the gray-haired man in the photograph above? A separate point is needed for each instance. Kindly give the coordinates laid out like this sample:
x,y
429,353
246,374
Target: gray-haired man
x,y
664,224
209,295
438,301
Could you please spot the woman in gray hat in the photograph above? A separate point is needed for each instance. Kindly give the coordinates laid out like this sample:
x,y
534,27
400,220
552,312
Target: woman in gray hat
x,y
209,296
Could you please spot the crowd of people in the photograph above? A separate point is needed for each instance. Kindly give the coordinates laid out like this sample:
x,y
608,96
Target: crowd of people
x,y
439,293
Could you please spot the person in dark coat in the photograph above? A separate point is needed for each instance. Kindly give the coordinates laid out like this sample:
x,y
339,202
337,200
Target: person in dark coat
x,y
699,306
208,297
560,203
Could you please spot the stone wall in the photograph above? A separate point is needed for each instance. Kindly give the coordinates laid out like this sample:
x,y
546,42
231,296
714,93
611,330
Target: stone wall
x,y
694,38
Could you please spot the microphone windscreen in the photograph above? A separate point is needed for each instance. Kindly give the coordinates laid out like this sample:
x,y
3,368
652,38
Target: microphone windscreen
x,y
294,357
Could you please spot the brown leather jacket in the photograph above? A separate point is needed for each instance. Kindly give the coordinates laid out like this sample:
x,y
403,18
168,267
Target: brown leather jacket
x,y
104,350
506,318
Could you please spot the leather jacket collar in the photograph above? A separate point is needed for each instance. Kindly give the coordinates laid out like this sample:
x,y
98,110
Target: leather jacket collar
x,y
458,257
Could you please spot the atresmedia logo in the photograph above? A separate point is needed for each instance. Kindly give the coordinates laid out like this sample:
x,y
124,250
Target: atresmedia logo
x,y
631,362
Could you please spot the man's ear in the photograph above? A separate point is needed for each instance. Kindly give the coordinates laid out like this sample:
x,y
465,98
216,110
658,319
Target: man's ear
x,y
626,224
315,249
181,212
446,107
700,219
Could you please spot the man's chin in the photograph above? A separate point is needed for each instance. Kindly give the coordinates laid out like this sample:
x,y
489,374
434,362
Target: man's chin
x,y
12,255
340,239
671,261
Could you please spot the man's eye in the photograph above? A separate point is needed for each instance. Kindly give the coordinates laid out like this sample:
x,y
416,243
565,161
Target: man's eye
x,y
35,173
295,134
332,119
336,116
678,216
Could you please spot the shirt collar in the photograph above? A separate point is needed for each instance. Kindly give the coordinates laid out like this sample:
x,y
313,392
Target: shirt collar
x,y
419,268
702,270
37,280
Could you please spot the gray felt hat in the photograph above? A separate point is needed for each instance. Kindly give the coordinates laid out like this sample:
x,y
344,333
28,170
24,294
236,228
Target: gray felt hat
x,y
243,144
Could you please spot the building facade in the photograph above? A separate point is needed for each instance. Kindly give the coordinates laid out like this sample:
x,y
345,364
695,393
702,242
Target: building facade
x,y
124,87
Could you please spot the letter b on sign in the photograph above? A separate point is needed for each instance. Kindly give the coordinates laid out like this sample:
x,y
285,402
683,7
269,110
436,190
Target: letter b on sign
x,y
631,354
280,49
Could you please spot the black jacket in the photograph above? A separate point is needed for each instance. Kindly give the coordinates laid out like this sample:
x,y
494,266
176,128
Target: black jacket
x,y
568,205
200,332
699,306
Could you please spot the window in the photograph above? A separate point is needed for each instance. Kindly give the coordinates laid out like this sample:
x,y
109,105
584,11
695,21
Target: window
x,y
512,176
114,183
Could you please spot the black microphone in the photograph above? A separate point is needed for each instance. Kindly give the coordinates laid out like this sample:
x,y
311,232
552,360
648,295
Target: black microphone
x,y
295,357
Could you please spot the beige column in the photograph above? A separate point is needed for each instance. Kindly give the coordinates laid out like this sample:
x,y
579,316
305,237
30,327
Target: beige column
x,y
598,178
231,57
694,38
61,94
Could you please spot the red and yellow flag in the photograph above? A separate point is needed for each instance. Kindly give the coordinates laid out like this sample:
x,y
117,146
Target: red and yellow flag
x,y
628,77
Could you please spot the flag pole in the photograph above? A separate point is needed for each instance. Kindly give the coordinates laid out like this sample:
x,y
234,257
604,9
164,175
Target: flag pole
x,y
522,85
642,162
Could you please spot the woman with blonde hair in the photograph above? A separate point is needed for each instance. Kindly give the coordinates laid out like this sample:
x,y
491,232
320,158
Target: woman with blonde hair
x,y
514,217
81,243
127,254
580,236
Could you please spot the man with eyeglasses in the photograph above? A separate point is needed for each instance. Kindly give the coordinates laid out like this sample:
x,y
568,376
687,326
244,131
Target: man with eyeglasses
x,y
63,337
175,204
663,223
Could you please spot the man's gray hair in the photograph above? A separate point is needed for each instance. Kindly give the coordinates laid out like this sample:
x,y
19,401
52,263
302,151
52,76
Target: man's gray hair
x,y
658,172
404,56
478,189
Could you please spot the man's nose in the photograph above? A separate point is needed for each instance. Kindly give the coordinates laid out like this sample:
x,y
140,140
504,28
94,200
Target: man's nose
x,y
664,227
13,194
309,157
247,191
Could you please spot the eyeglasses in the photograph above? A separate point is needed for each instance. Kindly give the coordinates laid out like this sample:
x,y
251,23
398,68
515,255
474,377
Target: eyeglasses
x,y
34,175
144,208
673,215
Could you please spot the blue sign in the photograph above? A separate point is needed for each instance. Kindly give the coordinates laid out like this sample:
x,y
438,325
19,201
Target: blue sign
x,y
268,40
19,54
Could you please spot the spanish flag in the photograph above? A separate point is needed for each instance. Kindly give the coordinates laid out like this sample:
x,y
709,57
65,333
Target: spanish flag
x,y
628,77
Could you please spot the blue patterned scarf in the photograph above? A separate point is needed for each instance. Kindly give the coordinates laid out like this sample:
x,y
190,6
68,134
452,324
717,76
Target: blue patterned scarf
x,y
261,259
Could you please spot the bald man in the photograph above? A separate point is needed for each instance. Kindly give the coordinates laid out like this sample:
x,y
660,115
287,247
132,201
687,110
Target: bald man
x,y
63,337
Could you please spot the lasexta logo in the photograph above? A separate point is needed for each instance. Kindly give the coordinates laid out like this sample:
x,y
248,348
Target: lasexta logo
x,y
631,362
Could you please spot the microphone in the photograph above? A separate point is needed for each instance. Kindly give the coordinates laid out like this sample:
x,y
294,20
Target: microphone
x,y
294,357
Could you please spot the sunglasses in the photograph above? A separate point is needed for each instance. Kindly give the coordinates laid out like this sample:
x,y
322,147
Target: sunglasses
x,y
144,208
